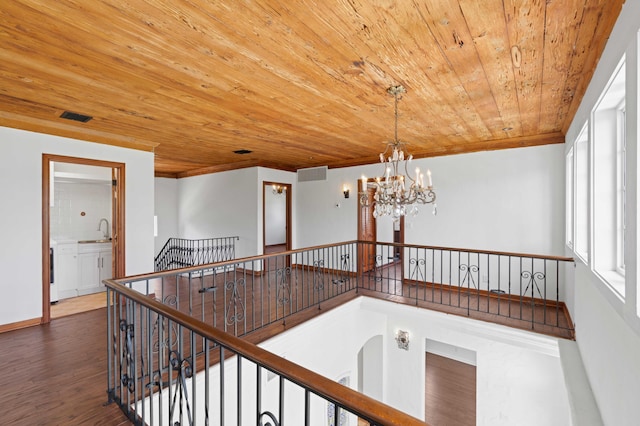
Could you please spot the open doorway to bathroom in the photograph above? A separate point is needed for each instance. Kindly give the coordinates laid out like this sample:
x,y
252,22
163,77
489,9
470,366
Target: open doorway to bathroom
x,y
83,232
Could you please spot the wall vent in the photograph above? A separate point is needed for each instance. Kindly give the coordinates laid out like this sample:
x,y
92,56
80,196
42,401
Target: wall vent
x,y
312,174
75,116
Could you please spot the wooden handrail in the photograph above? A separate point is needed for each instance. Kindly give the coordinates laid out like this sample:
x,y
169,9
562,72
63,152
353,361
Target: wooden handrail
x,y
466,250
379,413
319,247
199,268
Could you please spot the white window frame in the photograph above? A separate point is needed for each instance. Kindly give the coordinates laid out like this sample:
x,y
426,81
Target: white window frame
x,y
608,172
569,193
582,194
621,198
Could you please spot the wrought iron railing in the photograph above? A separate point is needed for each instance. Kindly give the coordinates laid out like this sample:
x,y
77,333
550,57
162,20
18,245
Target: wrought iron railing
x,y
523,288
185,321
245,295
182,253
171,361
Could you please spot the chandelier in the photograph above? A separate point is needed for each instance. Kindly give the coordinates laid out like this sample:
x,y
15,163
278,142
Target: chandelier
x,y
397,194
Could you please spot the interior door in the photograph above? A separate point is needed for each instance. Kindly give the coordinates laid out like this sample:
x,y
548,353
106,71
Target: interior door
x,y
367,231
117,223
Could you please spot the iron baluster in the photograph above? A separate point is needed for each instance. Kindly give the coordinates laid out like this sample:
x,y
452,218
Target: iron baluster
x,y
344,269
532,280
162,339
318,279
126,360
185,371
377,267
468,271
235,311
415,273
283,289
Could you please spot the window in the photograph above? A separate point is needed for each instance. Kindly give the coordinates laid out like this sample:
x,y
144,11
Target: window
x,y
581,212
609,183
621,203
568,205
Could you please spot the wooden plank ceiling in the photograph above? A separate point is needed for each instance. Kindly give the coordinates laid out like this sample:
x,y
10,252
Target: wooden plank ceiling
x,y
299,83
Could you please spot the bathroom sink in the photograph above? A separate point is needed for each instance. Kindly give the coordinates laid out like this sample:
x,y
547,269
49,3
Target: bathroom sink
x,y
104,240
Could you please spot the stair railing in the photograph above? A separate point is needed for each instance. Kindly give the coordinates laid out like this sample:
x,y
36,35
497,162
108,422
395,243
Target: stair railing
x,y
182,253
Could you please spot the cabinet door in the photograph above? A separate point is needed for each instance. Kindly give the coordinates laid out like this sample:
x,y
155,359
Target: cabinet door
x,y
66,275
88,270
105,266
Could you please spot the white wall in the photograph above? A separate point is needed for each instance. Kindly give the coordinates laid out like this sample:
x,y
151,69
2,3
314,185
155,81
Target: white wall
x,y
608,329
166,210
519,375
72,199
610,351
220,205
21,213
511,200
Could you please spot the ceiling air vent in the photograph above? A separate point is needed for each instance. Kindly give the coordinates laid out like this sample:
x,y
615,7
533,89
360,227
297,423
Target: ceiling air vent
x,y
312,173
242,151
75,116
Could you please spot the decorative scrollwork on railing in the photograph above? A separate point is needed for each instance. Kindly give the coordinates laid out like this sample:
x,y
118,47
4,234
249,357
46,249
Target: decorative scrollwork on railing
x,y
318,275
345,269
169,336
533,279
127,367
416,269
235,309
283,291
377,267
271,418
181,390
467,275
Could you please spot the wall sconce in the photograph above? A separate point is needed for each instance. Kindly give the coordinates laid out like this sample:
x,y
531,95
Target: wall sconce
x,y
402,337
345,191
278,189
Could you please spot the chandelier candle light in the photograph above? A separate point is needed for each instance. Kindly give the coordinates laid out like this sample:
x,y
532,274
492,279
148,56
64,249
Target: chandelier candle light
x,y
397,194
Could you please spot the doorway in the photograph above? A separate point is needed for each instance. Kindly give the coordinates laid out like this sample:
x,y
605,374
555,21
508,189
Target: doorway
x,y
106,246
450,391
371,367
368,231
276,217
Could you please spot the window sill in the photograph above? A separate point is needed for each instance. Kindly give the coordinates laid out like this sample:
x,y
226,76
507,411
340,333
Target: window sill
x,y
614,280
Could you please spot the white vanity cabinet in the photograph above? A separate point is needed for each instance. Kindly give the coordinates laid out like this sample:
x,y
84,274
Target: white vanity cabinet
x,y
94,265
66,273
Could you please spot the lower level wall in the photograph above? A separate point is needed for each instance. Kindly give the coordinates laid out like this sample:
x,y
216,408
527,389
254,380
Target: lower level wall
x,y
610,350
519,374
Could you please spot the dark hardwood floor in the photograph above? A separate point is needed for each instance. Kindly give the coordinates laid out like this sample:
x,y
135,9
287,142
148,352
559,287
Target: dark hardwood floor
x,y
450,392
56,374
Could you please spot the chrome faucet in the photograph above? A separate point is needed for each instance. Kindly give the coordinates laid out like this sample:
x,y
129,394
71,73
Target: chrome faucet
x,y
106,231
